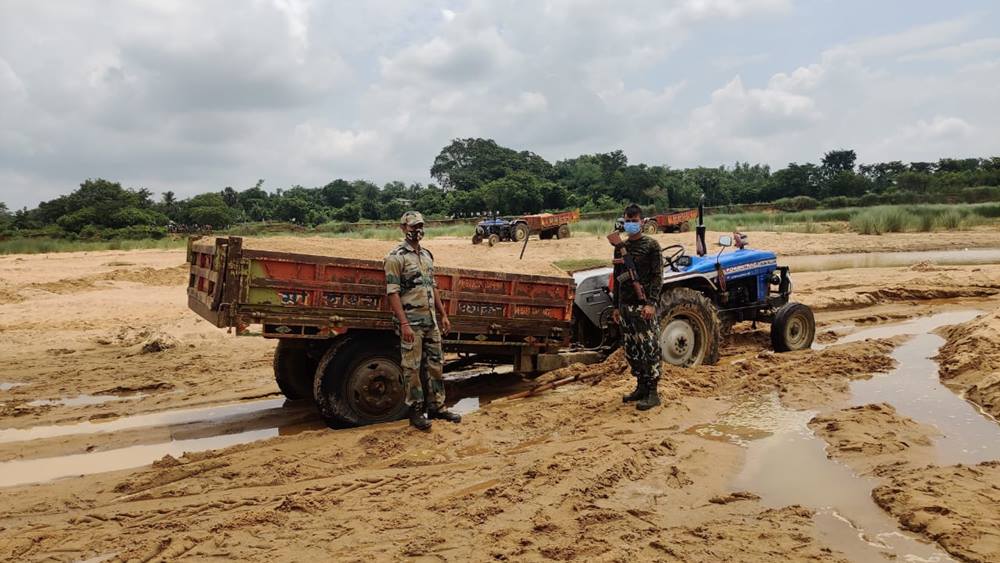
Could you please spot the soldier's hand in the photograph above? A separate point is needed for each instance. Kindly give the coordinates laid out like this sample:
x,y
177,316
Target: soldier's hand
x,y
616,317
445,324
648,312
407,333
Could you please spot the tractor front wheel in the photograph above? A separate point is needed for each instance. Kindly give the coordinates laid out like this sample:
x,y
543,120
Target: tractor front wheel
x,y
689,328
477,238
793,328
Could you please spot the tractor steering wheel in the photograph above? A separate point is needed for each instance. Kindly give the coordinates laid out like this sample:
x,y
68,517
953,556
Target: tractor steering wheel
x,y
671,254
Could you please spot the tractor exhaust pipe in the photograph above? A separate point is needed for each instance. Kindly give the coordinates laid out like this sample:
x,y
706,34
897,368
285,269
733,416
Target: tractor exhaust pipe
x,y
699,231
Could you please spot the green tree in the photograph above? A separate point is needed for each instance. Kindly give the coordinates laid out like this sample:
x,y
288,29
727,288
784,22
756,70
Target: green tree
x,y
467,164
840,160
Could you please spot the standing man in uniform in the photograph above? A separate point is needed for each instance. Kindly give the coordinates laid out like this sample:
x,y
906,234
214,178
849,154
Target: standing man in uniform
x,y
638,276
409,283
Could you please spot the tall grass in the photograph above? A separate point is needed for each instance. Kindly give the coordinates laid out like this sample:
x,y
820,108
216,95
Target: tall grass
x,y
43,245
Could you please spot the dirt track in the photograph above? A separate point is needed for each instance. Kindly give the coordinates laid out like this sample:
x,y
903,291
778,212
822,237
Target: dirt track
x,y
571,474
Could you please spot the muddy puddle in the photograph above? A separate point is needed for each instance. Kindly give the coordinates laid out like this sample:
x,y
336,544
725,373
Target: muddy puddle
x,y
825,262
915,390
786,464
57,451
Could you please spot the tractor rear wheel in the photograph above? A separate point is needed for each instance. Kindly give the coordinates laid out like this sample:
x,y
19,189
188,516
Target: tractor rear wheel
x,y
793,328
293,370
689,328
563,232
650,227
360,382
494,239
520,232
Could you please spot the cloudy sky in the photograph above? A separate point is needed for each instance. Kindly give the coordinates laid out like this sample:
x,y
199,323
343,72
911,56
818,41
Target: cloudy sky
x,y
197,95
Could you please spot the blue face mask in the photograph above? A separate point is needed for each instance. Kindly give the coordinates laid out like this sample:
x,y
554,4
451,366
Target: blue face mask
x,y
633,227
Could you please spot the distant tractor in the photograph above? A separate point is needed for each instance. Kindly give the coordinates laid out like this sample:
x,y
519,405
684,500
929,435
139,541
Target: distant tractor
x,y
670,222
545,225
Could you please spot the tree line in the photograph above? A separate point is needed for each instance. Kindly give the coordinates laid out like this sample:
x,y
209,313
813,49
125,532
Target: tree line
x,y
474,175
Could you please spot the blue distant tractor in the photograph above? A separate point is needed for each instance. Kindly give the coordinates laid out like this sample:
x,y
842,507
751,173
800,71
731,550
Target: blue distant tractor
x,y
497,229
702,297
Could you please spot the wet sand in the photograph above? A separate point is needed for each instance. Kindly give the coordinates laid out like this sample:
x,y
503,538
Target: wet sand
x,y
569,474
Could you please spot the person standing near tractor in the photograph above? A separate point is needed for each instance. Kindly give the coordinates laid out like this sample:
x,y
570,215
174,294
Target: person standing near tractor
x,y
638,277
420,320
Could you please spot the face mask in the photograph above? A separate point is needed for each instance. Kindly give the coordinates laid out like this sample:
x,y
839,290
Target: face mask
x,y
633,227
416,235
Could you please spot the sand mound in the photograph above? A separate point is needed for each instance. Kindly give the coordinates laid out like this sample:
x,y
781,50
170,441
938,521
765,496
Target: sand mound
x,y
871,435
970,360
954,506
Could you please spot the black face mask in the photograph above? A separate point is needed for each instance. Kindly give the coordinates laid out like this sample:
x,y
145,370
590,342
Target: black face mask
x,y
416,235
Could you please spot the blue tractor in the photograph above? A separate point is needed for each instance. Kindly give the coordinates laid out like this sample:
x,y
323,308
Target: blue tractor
x,y
496,229
702,297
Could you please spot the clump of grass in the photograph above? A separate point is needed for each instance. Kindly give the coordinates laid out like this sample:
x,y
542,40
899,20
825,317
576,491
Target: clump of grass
x,y
40,245
879,220
579,264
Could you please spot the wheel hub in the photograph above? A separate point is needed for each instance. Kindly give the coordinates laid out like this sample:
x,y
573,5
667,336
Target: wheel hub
x,y
677,342
377,387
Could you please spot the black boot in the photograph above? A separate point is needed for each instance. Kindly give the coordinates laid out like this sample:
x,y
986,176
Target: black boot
x,y
444,414
418,419
652,399
640,392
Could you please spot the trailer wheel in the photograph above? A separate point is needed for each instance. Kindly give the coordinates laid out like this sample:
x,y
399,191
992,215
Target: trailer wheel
x,y
494,239
689,328
520,232
650,227
546,235
563,232
293,370
684,227
360,383
793,328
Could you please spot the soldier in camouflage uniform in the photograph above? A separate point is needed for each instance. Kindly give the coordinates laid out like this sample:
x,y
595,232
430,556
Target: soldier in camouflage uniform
x,y
409,279
635,312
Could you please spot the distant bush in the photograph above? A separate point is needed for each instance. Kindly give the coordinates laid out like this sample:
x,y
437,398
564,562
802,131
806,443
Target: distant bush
x,y
797,203
879,220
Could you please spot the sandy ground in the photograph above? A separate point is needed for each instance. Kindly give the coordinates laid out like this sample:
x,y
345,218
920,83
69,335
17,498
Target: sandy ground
x,y
569,474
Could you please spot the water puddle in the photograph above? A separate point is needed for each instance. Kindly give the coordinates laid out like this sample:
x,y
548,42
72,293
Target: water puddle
x,y
786,464
919,325
84,400
164,418
8,385
825,262
914,389
22,472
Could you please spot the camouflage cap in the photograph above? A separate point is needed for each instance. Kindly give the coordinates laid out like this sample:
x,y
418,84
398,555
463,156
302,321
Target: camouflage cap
x,y
411,218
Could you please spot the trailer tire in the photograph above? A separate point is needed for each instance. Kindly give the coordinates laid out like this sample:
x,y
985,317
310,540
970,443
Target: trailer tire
x,y
563,232
546,235
689,328
293,370
650,227
360,382
793,328
684,227
520,232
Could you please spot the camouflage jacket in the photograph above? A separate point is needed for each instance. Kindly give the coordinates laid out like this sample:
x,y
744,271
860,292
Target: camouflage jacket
x,y
411,275
649,267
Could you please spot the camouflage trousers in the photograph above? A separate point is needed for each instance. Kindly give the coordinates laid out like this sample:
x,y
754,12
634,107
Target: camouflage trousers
x,y
425,349
642,344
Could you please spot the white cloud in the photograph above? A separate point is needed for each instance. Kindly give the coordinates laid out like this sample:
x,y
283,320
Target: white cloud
x,y
962,51
527,102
